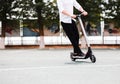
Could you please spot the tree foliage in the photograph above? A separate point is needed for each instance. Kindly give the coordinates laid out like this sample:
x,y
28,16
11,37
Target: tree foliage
x,y
6,8
93,8
112,11
111,8
48,11
25,9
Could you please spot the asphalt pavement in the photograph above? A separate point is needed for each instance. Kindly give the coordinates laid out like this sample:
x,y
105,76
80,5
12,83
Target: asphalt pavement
x,y
54,66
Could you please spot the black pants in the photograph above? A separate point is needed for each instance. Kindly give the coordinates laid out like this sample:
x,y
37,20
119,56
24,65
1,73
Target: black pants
x,y
73,35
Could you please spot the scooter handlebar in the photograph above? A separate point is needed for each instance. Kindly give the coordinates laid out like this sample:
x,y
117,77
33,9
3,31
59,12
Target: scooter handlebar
x,y
79,15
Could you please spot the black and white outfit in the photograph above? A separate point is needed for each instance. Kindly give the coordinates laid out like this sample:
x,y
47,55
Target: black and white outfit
x,y
69,25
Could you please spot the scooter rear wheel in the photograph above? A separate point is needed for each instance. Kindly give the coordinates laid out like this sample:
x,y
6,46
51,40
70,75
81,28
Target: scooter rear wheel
x,y
71,56
73,59
93,58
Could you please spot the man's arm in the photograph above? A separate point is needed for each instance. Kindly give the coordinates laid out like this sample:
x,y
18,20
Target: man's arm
x,y
79,7
62,10
68,14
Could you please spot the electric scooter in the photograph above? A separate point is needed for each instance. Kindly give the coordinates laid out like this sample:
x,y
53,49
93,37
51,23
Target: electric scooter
x,y
89,53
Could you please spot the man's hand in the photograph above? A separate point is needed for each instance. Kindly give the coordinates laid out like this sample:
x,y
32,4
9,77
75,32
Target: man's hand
x,y
73,16
84,13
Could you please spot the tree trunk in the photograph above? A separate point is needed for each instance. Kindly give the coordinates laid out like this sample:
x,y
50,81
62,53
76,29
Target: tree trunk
x,y
39,6
41,31
2,39
2,43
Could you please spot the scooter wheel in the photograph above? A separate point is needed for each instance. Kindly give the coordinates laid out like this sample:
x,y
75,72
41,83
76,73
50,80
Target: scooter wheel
x,y
73,59
71,56
93,58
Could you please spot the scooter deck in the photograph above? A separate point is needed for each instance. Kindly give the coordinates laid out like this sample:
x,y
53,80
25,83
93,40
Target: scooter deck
x,y
79,57
92,57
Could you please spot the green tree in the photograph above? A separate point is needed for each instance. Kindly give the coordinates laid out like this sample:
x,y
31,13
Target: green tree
x,y
5,10
6,6
47,13
93,7
25,9
112,11
12,9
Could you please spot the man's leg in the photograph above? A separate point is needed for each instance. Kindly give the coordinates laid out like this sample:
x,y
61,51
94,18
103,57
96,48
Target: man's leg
x,y
72,33
76,37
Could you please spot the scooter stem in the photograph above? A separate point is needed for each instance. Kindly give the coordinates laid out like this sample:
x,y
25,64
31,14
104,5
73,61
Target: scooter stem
x,y
83,29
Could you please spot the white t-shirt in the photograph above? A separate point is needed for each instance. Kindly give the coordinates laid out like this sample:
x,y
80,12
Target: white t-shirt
x,y
68,6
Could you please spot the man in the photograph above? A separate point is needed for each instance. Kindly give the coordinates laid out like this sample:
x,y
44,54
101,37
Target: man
x,y
66,15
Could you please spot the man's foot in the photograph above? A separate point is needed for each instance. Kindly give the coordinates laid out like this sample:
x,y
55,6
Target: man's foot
x,y
78,54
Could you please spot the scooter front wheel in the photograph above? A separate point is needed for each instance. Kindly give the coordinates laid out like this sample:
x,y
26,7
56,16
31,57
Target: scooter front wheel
x,y
93,58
